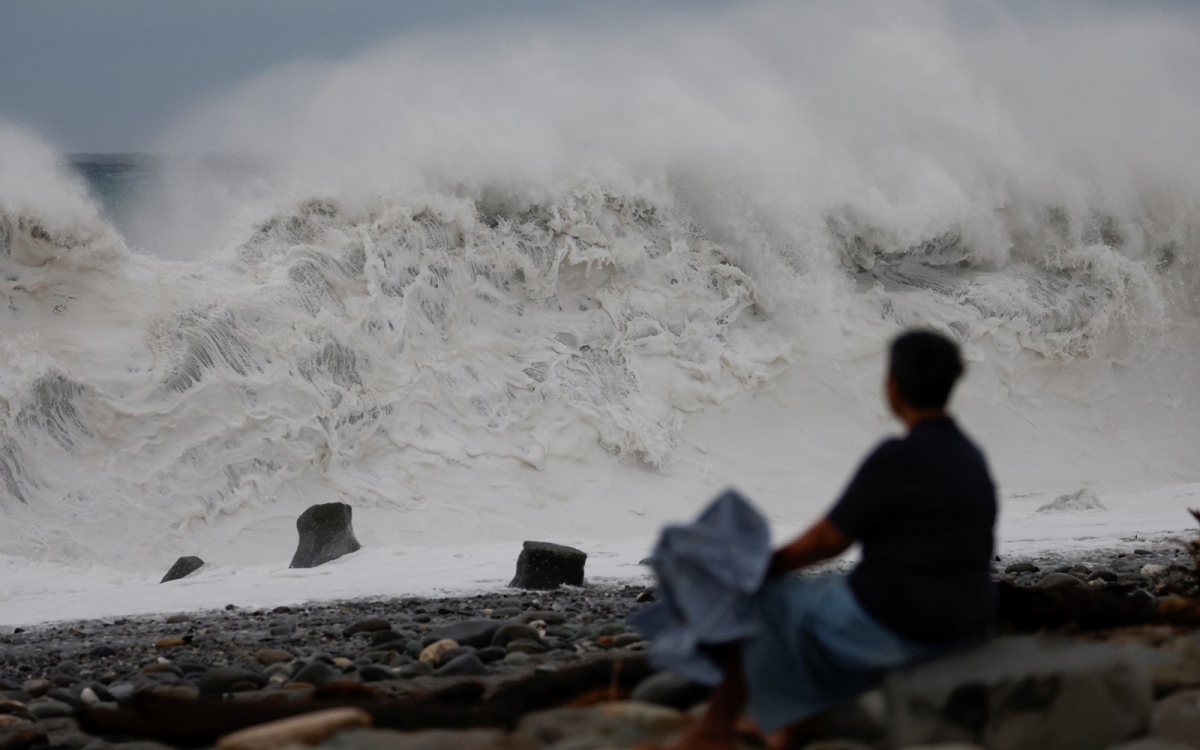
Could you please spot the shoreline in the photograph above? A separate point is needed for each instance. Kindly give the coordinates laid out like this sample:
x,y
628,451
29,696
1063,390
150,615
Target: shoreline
x,y
1127,564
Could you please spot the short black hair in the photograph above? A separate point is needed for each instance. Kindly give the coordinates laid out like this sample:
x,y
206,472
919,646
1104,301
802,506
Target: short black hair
x,y
925,366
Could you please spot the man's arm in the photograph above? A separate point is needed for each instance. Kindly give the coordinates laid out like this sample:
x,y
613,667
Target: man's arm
x,y
821,542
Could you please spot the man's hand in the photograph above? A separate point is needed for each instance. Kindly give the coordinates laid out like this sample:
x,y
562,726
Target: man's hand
x,y
821,542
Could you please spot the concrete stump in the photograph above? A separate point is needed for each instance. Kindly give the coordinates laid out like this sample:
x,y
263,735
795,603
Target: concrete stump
x,y
544,566
183,567
326,534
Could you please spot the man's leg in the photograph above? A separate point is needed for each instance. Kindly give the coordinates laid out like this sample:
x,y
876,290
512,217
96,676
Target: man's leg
x,y
717,730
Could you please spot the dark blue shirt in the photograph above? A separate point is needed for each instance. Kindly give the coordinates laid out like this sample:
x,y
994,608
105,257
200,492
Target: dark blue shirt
x,y
924,509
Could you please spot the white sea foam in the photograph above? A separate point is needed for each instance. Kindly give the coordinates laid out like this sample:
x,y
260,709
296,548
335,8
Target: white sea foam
x,y
539,283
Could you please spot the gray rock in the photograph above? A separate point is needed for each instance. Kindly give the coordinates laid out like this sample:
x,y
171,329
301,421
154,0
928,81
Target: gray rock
x,y
474,633
317,673
221,680
615,724
454,653
102,652
1058,579
369,625
491,654
1176,718
37,687
380,637
671,690
1152,743
24,736
544,566
64,695
429,739
1027,692
282,671
183,567
1022,567
415,669
186,692
269,656
465,665
375,673
326,533
1103,574
513,631
48,708
548,616
526,646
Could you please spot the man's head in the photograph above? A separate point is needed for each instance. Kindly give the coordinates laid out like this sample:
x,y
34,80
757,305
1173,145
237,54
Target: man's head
x,y
922,370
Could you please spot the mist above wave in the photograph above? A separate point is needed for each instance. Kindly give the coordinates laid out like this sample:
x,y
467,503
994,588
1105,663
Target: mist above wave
x,y
469,277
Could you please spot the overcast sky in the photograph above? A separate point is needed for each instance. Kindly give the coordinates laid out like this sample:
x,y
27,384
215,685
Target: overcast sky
x,y
110,75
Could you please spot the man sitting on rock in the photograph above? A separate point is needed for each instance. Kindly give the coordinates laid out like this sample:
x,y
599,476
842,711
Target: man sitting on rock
x,y
923,508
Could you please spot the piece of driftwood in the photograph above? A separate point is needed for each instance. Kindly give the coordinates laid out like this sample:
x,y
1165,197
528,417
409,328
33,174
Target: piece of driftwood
x,y
185,722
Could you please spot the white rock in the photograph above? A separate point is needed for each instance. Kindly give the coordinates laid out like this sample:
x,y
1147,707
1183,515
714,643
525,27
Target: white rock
x,y
1177,718
1153,570
306,729
88,696
1021,693
1074,502
433,652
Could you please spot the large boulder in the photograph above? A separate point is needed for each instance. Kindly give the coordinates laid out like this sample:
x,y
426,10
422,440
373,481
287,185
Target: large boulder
x,y
1177,718
544,566
1023,692
670,690
183,567
326,534
474,633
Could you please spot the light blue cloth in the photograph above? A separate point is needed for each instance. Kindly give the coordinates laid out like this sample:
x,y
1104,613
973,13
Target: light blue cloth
x,y
708,574
816,648
807,643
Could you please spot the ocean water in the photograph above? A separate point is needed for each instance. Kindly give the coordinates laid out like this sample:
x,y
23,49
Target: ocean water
x,y
542,283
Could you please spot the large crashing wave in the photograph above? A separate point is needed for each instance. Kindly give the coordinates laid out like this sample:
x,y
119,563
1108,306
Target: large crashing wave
x,y
334,334
435,295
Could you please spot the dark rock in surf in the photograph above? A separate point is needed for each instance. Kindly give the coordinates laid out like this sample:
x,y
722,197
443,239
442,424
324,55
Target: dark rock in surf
x,y
183,567
544,566
325,534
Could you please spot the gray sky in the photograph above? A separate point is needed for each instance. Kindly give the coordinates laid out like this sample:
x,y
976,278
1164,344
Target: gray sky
x,y
109,75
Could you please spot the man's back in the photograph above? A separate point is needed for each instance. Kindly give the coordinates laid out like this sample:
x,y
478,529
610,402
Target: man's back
x,y
923,508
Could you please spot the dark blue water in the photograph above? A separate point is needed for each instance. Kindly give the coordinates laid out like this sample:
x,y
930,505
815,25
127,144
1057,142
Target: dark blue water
x,y
118,182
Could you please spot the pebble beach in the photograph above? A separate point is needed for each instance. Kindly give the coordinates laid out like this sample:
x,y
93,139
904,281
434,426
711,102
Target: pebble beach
x,y
401,646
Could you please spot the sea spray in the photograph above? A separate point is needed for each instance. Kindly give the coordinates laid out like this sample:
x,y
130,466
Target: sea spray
x,y
482,284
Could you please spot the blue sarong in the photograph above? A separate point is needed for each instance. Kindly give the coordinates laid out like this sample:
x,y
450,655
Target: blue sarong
x,y
816,648
807,643
708,572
